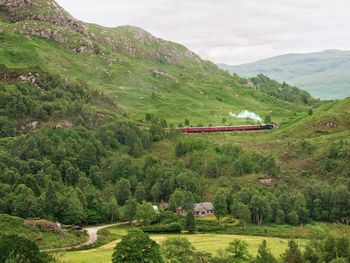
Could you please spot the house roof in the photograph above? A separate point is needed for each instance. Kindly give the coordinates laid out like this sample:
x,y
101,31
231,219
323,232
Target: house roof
x,y
201,206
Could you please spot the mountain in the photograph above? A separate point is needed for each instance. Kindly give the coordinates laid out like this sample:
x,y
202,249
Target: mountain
x,y
142,72
83,138
324,74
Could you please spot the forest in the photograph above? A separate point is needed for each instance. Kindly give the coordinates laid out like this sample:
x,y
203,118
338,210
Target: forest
x,y
88,160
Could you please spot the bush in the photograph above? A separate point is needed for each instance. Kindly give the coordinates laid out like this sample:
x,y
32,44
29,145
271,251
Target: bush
x,y
18,249
292,218
280,217
171,228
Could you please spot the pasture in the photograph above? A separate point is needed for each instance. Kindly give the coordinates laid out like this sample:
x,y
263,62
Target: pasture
x,y
202,242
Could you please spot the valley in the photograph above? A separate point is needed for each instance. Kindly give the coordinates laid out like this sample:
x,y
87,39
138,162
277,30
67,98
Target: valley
x,y
89,138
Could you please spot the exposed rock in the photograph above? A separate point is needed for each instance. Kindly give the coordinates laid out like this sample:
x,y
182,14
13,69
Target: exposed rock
x,y
30,126
265,181
67,125
332,124
48,11
249,84
157,74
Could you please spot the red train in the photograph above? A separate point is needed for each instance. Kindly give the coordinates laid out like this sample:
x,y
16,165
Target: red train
x,y
227,128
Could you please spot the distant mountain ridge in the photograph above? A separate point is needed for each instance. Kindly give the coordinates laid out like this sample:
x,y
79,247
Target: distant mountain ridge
x,y
325,74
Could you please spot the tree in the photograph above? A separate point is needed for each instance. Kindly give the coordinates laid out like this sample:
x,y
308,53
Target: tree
x,y
113,208
145,212
280,217
343,247
238,251
220,206
178,250
190,222
330,249
244,215
260,208
72,209
140,192
292,253
24,202
292,218
137,246
156,191
20,250
130,209
264,254
123,191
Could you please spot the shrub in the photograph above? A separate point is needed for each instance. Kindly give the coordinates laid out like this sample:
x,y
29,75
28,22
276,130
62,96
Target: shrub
x,y
171,228
18,249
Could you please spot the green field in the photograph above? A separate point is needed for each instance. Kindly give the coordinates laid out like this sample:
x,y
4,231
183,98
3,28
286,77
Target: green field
x,y
202,242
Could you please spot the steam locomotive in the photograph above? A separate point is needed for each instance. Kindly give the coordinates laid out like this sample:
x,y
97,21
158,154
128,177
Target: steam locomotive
x,y
227,128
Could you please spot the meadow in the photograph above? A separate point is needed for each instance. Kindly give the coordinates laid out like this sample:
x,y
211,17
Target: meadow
x,y
211,243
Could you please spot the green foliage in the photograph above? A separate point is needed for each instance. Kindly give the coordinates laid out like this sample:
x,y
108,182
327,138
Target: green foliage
x,y
166,228
130,210
267,119
292,254
136,246
190,222
145,213
244,215
20,250
280,217
238,251
220,205
292,218
264,254
178,250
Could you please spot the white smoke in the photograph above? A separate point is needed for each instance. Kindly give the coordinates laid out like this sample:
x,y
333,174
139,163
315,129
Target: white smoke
x,y
247,115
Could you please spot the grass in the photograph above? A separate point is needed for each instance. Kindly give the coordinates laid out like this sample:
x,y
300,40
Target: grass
x,y
194,91
277,237
10,225
202,242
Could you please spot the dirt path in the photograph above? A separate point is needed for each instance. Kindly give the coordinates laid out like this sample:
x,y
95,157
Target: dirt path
x,y
92,233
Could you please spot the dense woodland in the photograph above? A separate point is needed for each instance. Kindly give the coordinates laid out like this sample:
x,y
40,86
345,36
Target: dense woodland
x,y
84,172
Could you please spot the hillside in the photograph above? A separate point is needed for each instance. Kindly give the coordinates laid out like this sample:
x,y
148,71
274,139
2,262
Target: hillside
x,y
323,74
143,73
45,233
86,138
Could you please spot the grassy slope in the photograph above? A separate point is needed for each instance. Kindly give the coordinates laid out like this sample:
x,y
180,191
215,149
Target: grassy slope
x,y
190,88
46,240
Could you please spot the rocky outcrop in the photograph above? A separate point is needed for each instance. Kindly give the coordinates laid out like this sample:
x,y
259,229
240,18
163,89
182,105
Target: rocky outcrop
x,y
39,10
30,126
157,74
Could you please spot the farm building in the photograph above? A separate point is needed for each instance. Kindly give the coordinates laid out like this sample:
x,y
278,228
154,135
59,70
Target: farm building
x,y
203,209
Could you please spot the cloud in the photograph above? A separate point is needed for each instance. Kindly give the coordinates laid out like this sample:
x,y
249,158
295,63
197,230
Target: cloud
x,y
229,31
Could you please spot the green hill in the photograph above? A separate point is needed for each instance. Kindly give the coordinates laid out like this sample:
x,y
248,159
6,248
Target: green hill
x,y
77,144
323,74
143,73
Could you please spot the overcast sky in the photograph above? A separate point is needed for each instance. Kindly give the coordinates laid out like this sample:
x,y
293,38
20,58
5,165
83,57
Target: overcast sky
x,y
229,31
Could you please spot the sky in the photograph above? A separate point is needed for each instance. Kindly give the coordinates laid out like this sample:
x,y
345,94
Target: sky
x,y
229,31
